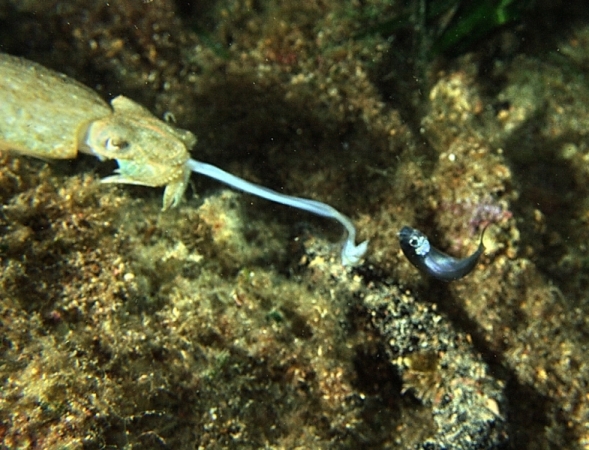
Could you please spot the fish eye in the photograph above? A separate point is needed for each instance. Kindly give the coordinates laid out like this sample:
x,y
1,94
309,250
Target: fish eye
x,y
115,144
413,242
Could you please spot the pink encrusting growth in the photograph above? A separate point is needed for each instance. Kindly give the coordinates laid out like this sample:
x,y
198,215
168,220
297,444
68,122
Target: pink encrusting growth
x,y
480,213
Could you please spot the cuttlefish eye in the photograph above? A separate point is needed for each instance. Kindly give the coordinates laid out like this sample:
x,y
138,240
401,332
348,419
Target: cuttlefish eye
x,y
115,144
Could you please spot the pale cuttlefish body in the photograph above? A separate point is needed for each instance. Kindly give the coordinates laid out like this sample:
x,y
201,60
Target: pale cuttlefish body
x,y
48,115
433,262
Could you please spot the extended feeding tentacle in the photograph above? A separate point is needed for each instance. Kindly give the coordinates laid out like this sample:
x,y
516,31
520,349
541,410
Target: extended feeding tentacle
x,y
351,253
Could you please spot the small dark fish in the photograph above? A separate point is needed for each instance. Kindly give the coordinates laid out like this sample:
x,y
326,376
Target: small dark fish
x,y
433,262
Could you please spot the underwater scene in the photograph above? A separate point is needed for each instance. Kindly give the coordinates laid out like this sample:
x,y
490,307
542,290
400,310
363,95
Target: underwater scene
x,y
280,224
